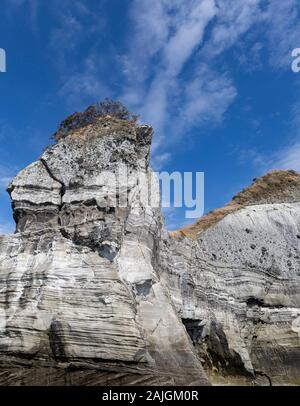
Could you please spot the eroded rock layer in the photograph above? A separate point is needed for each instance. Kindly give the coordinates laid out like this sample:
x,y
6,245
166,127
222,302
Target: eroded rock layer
x,y
94,290
236,284
80,295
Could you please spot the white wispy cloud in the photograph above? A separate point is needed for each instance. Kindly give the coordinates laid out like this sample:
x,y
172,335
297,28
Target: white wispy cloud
x,y
207,97
85,84
164,38
159,160
282,27
286,157
282,19
233,19
77,26
289,158
166,35
65,34
251,57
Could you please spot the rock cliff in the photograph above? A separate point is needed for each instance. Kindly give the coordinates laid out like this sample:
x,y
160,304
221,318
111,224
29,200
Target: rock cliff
x,y
95,291
235,279
81,300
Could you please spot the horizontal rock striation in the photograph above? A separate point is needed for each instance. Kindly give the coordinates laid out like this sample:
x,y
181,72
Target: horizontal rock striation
x,y
236,284
95,291
81,302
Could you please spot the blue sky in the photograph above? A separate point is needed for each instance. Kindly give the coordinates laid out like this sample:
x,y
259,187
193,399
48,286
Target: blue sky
x,y
213,77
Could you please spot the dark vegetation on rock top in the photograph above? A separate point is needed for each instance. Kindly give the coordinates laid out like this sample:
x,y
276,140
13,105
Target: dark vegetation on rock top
x,y
89,116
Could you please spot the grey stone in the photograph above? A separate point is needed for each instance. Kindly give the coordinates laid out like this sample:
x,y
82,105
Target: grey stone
x,y
96,292
81,300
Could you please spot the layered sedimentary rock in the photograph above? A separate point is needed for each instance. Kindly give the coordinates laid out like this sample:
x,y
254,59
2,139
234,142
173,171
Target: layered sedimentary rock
x,y
80,295
95,291
235,279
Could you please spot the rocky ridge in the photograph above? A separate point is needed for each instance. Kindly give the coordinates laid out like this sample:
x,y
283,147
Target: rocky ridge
x,y
80,297
95,291
235,279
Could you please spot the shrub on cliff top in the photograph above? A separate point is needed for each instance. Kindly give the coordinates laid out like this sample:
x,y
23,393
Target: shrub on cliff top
x,y
105,108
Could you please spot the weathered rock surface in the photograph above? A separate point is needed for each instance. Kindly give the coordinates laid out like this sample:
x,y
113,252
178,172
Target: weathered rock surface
x,y
236,284
80,295
94,290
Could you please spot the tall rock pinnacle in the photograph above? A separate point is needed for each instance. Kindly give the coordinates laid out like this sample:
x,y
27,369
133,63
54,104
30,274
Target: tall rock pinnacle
x,y
95,291
81,301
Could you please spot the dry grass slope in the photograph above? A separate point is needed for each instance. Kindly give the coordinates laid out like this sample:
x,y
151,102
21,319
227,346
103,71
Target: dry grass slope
x,y
275,187
107,124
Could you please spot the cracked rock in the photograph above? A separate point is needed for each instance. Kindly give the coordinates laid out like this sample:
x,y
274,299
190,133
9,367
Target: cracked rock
x,y
95,291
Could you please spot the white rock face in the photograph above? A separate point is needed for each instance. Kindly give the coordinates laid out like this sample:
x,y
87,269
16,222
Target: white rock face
x,y
94,291
236,285
81,300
